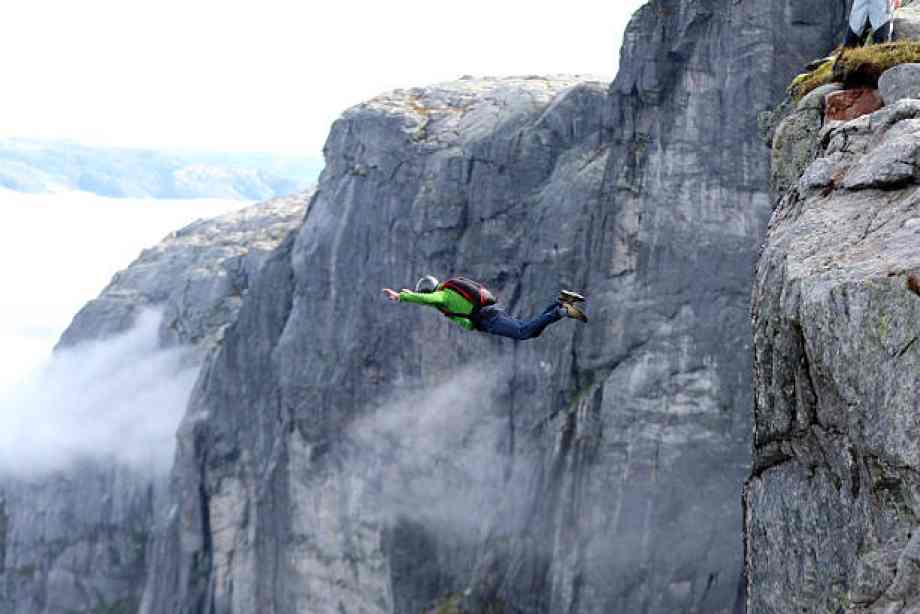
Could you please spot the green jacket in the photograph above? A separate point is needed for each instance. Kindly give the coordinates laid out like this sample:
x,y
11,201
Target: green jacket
x,y
448,300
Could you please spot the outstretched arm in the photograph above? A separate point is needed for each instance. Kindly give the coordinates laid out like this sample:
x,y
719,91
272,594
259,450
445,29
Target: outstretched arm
x,y
436,299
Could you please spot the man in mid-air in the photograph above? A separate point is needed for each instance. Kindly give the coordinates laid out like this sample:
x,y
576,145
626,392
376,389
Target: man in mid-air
x,y
472,306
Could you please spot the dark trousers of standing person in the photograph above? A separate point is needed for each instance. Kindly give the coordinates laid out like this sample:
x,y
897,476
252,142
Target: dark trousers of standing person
x,y
882,35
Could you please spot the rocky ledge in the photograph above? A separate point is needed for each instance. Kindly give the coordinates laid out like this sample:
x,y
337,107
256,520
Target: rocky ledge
x,y
833,504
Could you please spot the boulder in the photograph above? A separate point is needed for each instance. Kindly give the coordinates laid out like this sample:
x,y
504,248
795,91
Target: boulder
x,y
794,145
796,138
816,99
851,104
907,22
902,81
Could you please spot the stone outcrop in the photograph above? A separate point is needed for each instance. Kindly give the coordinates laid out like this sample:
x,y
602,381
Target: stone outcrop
x,y
851,103
76,541
907,22
831,507
795,140
597,469
902,81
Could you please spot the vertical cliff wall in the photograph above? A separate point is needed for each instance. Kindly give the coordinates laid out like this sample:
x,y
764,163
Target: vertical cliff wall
x,y
832,504
345,455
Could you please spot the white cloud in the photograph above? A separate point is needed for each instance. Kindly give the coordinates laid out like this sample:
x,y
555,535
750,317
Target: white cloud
x,y
116,400
269,75
58,251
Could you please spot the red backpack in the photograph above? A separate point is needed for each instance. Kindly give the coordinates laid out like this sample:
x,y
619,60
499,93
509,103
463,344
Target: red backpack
x,y
473,291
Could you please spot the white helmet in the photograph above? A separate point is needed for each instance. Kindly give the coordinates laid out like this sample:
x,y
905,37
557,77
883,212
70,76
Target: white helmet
x,y
428,283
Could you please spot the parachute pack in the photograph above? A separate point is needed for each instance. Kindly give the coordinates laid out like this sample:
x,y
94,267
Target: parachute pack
x,y
473,291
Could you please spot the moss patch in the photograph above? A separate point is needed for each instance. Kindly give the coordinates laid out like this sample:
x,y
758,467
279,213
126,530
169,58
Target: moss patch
x,y
806,82
859,67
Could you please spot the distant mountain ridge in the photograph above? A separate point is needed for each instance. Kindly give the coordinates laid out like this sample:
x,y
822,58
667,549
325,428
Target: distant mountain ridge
x,y
35,166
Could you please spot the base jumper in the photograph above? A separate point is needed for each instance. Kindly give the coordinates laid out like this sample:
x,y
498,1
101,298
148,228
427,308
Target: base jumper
x,y
472,306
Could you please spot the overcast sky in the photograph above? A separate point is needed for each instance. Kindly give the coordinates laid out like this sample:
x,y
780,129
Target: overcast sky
x,y
268,75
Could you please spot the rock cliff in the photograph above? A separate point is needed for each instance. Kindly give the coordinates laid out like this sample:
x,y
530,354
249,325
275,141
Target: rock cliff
x,y
832,507
344,455
75,539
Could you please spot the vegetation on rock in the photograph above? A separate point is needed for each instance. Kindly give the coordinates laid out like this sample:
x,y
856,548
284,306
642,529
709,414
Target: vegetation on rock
x,y
859,67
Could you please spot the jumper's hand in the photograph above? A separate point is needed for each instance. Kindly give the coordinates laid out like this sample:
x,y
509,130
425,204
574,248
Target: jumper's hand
x,y
392,295
895,4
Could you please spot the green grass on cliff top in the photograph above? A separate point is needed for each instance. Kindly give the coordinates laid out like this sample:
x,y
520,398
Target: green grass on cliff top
x,y
859,67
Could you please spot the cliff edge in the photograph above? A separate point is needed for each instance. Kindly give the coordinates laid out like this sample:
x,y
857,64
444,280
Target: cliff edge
x,y
832,504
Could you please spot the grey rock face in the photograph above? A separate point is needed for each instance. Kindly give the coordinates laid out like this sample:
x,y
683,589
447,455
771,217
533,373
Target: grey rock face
x,y
899,82
815,99
831,507
792,131
907,22
76,541
198,275
795,143
596,469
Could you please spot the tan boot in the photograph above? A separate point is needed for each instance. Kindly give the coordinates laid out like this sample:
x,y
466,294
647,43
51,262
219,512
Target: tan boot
x,y
567,296
572,311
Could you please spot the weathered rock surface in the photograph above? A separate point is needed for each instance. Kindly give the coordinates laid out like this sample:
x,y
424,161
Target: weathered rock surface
x,y
76,541
597,469
852,103
197,275
795,141
907,22
832,506
899,82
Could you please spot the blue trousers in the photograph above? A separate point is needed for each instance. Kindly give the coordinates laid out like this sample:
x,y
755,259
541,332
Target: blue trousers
x,y
495,321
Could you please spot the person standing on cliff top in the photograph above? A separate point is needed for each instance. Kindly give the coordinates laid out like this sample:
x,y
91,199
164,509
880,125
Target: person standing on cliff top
x,y
469,304
877,13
